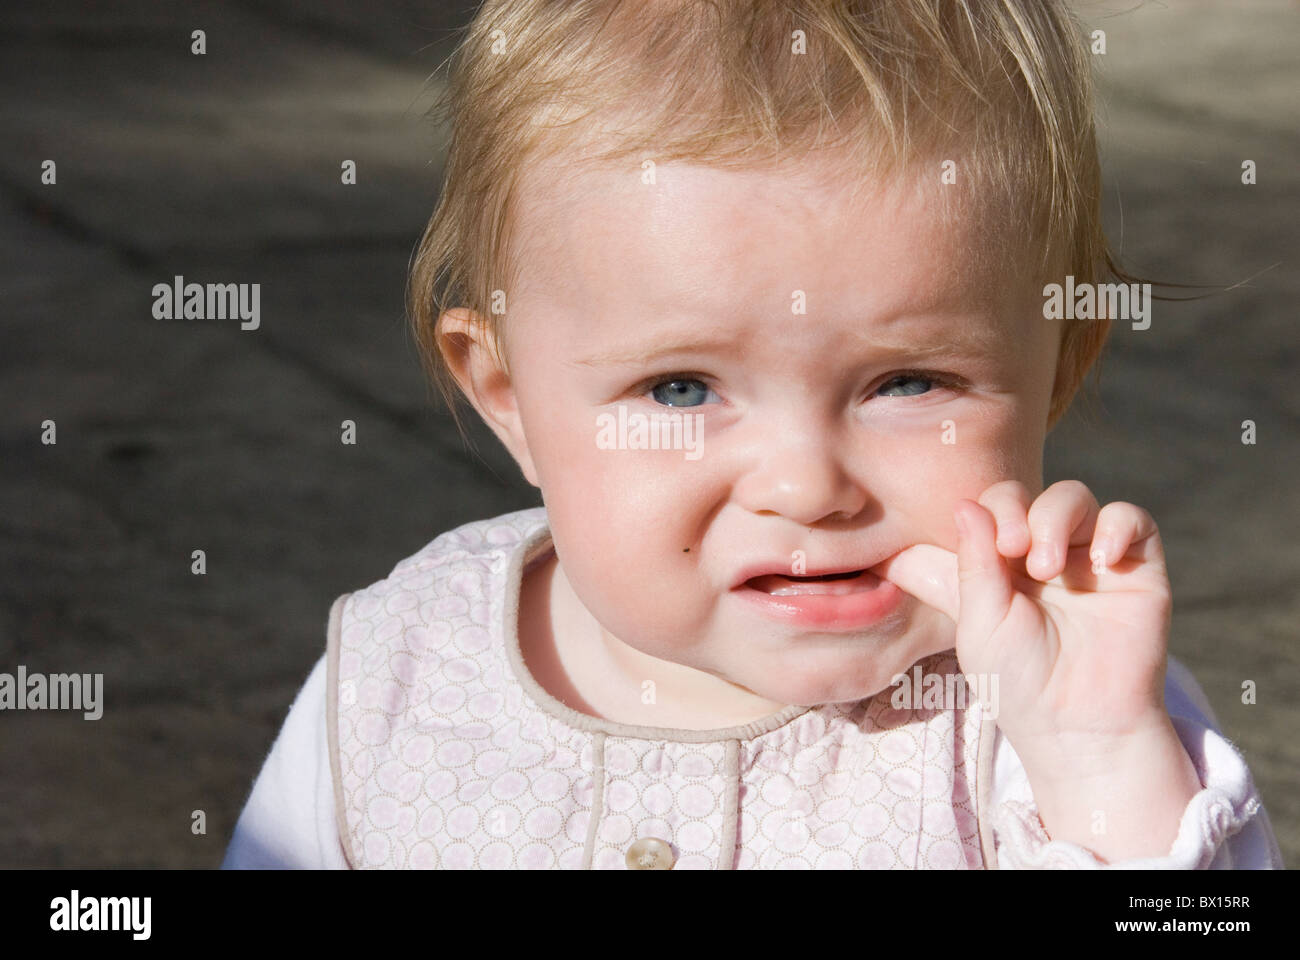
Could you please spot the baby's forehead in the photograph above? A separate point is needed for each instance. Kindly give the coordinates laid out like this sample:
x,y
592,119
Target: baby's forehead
x,y
668,232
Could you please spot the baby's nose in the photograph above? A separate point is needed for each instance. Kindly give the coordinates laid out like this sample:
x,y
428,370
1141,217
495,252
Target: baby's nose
x,y
806,483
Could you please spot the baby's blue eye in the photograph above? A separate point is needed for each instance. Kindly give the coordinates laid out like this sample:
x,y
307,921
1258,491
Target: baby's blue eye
x,y
909,384
681,393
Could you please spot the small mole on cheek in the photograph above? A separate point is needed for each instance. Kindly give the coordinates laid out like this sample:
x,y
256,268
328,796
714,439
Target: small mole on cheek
x,y
686,549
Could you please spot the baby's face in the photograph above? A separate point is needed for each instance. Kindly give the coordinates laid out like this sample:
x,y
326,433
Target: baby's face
x,y
829,438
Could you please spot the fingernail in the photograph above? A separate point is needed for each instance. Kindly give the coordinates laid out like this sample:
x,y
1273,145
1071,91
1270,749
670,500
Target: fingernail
x,y
1106,551
1098,561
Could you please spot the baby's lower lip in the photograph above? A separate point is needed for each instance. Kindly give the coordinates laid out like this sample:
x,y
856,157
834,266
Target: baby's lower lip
x,y
825,604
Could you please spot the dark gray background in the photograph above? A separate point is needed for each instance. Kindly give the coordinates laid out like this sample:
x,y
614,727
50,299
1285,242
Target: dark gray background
x,y
180,435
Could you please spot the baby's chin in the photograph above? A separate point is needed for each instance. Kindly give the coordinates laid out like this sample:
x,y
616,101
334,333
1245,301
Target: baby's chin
x,y
834,690
844,683
814,676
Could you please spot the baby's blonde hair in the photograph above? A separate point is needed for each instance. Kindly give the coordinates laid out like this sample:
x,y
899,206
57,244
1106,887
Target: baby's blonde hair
x,y
1003,88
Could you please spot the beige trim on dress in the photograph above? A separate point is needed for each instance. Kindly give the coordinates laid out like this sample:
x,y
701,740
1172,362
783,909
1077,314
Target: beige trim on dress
x,y
597,797
984,788
332,641
730,807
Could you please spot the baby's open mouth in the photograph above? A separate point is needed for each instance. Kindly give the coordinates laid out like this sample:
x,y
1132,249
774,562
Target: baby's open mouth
x,y
826,584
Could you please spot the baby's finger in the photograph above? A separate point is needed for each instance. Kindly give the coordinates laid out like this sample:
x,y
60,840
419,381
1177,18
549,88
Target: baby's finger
x,y
984,583
1009,502
928,573
1122,527
1063,516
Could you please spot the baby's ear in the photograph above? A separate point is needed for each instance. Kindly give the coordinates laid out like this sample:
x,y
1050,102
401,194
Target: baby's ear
x,y
473,355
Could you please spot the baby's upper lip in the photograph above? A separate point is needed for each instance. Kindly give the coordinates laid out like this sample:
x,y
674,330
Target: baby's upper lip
x,y
784,568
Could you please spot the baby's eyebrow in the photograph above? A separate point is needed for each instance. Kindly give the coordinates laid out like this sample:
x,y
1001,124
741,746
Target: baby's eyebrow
x,y
966,339
965,343
651,353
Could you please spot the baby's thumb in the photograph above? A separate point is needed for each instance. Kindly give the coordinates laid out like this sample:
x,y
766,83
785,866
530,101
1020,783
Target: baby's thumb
x,y
928,573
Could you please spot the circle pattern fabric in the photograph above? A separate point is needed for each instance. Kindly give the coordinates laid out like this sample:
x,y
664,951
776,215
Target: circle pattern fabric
x,y
447,761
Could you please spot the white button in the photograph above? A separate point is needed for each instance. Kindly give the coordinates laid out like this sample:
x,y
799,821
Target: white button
x,y
649,853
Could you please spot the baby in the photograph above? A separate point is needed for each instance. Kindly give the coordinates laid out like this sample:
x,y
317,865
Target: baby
x,y
756,300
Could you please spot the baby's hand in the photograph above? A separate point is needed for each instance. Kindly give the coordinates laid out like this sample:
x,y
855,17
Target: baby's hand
x,y
1065,602
1068,604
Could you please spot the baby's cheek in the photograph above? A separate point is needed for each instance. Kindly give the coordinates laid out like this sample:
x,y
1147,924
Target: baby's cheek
x,y
628,492
573,470
624,509
924,491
